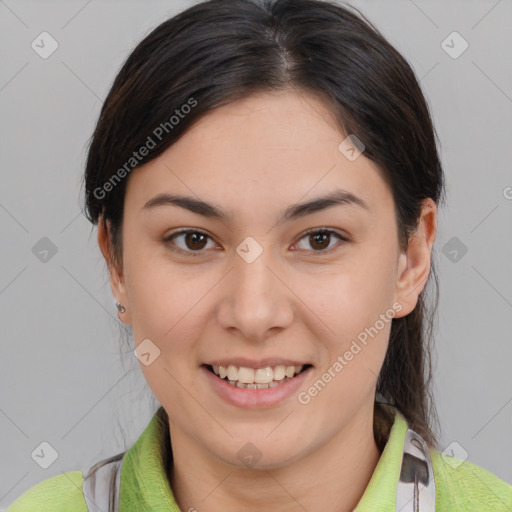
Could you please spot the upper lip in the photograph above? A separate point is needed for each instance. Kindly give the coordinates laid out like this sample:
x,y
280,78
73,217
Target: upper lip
x,y
261,363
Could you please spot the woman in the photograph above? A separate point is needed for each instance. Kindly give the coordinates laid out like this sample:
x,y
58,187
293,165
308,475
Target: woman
x,y
265,180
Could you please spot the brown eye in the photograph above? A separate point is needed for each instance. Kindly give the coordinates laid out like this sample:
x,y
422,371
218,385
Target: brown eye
x,y
320,240
193,242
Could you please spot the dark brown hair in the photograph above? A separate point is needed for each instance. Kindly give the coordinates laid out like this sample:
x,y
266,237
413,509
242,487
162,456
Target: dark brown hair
x,y
222,50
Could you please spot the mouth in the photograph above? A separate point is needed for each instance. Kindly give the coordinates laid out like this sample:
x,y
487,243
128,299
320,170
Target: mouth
x,y
257,378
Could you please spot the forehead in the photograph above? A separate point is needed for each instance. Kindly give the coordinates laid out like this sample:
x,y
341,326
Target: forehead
x,y
278,147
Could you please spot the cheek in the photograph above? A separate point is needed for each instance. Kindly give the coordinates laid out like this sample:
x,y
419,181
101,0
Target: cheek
x,y
351,295
158,292
163,308
353,348
354,305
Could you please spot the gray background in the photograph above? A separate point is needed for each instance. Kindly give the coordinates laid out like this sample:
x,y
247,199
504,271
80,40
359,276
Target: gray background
x,y
63,379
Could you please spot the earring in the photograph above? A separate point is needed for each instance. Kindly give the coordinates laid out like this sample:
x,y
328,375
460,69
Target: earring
x,y
120,308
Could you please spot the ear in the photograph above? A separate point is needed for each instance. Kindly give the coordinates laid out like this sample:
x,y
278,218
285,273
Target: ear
x,y
414,263
117,281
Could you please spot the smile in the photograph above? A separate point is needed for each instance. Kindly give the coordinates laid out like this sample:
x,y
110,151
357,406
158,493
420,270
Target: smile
x,y
256,378
256,384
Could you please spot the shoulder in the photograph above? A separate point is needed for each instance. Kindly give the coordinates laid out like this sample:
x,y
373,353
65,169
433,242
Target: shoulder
x,y
60,493
463,486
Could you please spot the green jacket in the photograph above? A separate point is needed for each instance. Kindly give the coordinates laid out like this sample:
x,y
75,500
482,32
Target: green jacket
x,y
144,485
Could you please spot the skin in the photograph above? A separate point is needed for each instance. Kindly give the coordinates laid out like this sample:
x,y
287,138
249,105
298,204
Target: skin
x,y
255,157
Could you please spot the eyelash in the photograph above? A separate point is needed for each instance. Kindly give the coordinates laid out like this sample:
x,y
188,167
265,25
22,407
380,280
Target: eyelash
x,y
169,244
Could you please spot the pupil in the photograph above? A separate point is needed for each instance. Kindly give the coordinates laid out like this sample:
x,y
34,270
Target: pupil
x,y
321,237
194,237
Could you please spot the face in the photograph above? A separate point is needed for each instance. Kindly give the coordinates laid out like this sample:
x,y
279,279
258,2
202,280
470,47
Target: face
x,y
256,288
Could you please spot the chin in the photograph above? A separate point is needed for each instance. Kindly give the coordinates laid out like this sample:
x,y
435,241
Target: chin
x,y
257,455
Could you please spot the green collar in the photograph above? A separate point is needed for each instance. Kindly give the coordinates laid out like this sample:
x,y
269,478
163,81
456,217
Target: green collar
x,y
144,483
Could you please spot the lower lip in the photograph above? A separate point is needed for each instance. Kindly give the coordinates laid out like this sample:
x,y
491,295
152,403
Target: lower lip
x,y
255,398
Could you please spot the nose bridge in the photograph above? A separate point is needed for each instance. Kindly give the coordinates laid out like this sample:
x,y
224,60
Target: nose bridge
x,y
253,277
256,299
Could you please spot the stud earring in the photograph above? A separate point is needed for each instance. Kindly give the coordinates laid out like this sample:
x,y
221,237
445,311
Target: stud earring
x,y
120,308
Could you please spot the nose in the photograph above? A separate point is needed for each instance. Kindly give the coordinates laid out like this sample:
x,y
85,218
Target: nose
x,y
256,301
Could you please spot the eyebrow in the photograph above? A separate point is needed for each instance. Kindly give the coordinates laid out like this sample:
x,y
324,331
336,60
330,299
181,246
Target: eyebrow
x,y
335,198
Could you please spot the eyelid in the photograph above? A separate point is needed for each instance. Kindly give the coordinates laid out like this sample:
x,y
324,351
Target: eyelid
x,y
167,240
343,239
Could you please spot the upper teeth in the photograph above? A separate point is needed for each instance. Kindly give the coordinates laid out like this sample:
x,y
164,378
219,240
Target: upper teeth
x,y
259,375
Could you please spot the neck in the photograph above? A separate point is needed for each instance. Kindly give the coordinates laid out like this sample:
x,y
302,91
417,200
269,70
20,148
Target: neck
x,y
331,478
